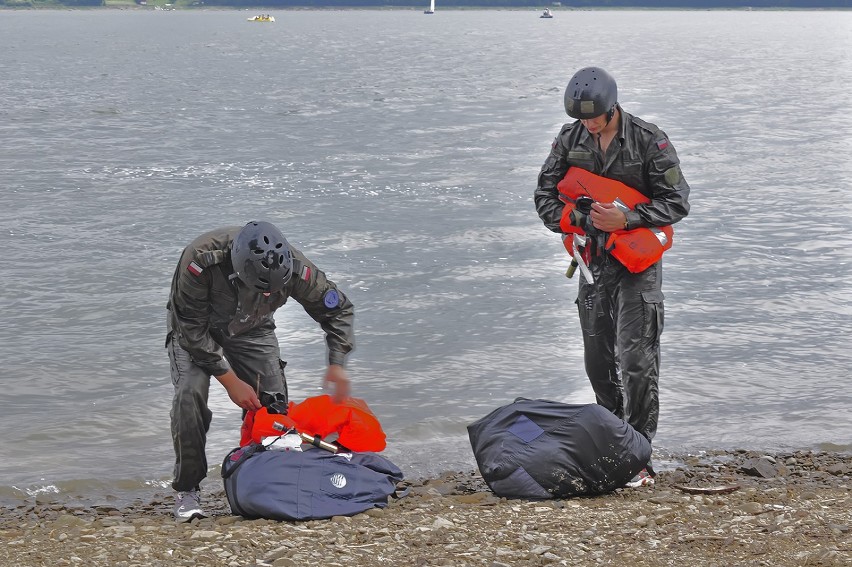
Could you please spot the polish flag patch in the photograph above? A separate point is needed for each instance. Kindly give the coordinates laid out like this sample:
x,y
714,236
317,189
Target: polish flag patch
x,y
194,269
662,144
306,273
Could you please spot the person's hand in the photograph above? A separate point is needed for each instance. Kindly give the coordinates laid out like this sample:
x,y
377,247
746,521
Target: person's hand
x,y
607,217
240,393
337,376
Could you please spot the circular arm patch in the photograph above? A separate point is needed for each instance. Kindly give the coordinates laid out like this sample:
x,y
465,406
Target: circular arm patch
x,y
331,299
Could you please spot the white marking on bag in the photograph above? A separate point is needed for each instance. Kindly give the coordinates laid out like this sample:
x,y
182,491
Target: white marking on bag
x,y
338,480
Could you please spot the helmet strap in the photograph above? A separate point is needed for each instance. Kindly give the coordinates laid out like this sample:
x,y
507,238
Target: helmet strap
x,y
610,113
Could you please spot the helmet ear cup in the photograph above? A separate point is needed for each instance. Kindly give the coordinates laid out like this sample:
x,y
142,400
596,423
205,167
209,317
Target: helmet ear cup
x,y
261,257
590,93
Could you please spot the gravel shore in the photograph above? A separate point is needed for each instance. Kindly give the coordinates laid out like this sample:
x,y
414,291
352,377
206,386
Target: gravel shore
x,y
714,509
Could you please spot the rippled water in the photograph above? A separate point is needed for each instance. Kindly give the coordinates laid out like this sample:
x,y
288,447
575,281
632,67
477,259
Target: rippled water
x,y
400,153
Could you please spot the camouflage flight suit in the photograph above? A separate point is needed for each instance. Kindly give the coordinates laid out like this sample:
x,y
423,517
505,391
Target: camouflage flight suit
x,y
216,323
621,313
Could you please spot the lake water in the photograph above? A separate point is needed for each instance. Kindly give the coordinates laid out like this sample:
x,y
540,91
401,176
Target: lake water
x,y
400,152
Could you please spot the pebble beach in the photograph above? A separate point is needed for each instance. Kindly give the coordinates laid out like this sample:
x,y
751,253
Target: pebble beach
x,y
712,509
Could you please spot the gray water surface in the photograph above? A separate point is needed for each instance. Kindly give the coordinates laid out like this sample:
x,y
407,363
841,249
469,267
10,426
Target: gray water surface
x,y
400,153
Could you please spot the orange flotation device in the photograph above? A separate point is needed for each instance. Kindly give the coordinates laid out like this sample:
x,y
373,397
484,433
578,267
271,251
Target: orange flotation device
x,y
354,423
637,249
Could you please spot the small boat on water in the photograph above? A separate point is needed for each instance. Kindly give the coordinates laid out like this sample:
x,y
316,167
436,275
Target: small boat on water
x,y
546,14
431,9
262,18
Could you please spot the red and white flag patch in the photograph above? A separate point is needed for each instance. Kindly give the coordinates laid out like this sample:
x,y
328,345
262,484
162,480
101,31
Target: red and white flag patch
x,y
306,273
194,269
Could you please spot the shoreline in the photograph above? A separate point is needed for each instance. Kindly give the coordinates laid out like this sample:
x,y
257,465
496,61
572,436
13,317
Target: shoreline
x,y
131,5
718,508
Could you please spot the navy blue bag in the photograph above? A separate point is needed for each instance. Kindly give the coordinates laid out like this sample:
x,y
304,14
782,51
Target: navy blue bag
x,y
306,485
541,449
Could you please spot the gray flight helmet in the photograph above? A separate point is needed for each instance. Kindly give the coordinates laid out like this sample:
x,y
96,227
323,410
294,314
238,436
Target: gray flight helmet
x,y
261,257
591,92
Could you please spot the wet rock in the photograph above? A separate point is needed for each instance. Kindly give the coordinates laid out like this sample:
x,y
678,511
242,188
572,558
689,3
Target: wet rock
x,y
837,469
759,467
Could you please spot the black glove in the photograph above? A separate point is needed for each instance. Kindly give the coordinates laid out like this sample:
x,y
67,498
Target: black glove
x,y
274,403
580,214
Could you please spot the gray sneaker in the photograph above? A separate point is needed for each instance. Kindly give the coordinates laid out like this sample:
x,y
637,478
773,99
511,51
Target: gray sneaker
x,y
188,506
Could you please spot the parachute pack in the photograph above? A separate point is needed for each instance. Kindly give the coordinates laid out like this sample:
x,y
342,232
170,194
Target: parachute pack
x,y
541,449
277,474
306,485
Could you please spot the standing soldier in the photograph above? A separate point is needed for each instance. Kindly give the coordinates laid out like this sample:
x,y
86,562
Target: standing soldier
x,y
621,312
226,288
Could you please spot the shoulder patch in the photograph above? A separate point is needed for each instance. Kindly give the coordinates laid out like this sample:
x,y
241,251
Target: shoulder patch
x,y
305,273
672,175
662,144
331,299
194,269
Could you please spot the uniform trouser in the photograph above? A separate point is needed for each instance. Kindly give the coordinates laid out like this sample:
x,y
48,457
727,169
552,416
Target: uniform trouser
x,y
621,316
251,355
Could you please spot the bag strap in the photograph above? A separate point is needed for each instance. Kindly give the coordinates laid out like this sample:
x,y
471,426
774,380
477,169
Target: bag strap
x,y
233,460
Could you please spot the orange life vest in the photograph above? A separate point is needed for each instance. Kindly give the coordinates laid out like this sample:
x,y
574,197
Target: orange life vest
x,y
637,249
356,427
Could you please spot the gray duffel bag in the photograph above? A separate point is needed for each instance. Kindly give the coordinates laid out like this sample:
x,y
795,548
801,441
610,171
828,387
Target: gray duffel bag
x,y
542,449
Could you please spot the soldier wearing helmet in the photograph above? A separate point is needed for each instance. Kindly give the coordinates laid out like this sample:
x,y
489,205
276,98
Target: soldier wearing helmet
x,y
621,312
226,288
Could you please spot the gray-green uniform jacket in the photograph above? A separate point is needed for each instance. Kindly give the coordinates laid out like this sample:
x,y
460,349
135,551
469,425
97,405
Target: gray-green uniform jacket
x,y
207,302
640,156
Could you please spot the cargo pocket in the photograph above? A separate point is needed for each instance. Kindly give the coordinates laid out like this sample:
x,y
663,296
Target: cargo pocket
x,y
592,321
174,351
654,315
